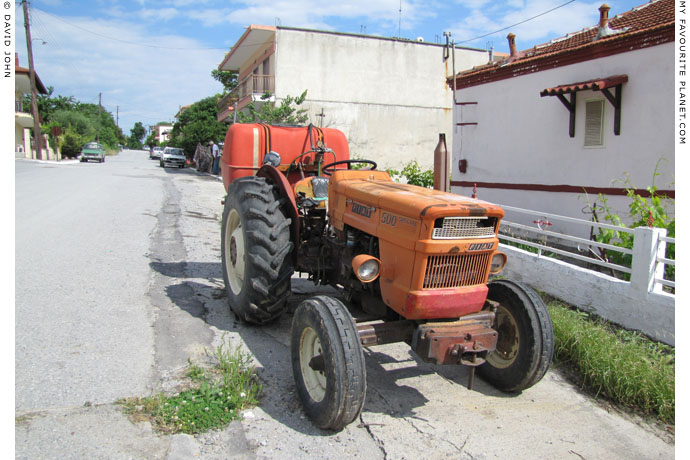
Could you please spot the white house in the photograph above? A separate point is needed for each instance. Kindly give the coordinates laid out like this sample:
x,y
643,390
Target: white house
x,y
539,128
389,96
163,133
24,121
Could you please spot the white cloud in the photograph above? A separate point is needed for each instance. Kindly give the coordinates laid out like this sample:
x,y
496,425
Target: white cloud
x,y
559,22
473,4
316,14
148,84
159,14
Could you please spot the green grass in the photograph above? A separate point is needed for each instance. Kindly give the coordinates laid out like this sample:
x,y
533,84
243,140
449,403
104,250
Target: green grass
x,y
213,398
625,367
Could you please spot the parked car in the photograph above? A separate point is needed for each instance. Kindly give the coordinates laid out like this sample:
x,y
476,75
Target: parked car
x,y
173,156
92,151
155,152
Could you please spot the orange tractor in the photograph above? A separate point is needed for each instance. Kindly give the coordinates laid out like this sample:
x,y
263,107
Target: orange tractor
x,y
413,264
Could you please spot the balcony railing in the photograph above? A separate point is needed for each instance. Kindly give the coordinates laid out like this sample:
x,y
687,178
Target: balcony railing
x,y
256,84
251,85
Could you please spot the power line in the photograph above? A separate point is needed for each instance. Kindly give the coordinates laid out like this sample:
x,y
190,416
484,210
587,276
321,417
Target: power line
x,y
517,23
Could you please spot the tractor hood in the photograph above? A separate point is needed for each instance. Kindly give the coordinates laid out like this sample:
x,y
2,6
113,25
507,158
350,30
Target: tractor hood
x,y
375,189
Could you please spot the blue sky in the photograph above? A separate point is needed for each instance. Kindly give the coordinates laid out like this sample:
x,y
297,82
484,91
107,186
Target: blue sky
x,y
148,58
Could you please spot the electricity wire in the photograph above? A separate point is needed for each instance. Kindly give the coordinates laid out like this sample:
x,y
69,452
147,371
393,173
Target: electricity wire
x,y
517,23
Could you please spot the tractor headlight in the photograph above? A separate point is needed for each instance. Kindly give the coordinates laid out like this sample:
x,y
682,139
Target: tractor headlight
x,y
366,267
498,262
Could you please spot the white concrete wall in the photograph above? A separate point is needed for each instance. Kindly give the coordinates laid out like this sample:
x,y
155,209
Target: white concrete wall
x,y
388,97
523,138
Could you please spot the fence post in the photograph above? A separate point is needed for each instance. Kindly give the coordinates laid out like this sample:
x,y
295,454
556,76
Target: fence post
x,y
646,248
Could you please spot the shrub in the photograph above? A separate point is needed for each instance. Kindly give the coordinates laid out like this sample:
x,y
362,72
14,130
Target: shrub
x,y
415,175
651,212
71,144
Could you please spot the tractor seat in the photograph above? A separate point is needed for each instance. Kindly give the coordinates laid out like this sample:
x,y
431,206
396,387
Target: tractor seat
x,y
311,192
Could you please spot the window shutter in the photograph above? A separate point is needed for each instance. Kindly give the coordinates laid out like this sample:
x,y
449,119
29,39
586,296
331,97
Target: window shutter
x,y
594,123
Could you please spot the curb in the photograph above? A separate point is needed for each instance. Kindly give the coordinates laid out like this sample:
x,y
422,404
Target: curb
x,y
50,162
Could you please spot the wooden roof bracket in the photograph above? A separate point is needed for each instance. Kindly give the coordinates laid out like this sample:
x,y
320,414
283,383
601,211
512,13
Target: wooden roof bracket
x,y
601,84
616,102
570,105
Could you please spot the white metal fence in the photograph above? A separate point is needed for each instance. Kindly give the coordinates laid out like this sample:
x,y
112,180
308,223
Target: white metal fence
x,y
637,296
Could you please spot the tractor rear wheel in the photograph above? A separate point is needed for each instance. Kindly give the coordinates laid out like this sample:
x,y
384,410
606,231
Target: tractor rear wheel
x,y
256,250
328,362
525,338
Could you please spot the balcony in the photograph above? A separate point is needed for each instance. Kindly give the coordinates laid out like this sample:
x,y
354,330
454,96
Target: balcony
x,y
21,118
256,85
225,106
253,86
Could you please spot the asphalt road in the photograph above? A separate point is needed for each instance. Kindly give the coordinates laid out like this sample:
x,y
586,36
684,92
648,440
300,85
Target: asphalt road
x,y
119,283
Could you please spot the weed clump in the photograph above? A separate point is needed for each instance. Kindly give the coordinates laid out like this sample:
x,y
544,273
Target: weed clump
x,y
214,398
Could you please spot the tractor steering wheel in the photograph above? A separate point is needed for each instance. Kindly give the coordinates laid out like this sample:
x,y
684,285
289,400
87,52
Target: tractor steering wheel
x,y
330,167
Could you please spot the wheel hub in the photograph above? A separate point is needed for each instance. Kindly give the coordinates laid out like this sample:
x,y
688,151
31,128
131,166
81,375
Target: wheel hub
x,y
312,364
508,343
233,251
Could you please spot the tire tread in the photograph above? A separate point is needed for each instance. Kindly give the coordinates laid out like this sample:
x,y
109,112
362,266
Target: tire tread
x,y
267,249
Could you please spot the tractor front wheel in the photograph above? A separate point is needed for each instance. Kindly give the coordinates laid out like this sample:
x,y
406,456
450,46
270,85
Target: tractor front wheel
x,y
256,250
328,362
525,338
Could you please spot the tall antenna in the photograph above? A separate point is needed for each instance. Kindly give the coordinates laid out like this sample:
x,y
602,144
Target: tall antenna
x,y
399,18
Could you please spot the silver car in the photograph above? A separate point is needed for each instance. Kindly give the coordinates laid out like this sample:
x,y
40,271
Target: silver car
x,y
156,153
172,156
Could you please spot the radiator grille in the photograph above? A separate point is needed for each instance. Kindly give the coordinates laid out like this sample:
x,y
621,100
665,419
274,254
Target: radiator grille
x,y
454,228
456,270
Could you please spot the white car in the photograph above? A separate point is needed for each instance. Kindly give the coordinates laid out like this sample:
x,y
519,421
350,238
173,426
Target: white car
x,y
173,156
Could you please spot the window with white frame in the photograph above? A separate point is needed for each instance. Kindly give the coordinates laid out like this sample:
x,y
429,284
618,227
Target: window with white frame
x,y
594,123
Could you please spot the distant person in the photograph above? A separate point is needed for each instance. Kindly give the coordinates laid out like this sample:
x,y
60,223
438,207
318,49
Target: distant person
x,y
215,152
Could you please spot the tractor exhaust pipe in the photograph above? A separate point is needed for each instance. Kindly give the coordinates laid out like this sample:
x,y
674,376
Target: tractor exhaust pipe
x,y
441,165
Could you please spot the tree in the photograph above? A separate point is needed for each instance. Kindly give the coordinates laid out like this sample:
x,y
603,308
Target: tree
x,y
151,140
268,113
137,133
226,78
81,119
198,124
48,105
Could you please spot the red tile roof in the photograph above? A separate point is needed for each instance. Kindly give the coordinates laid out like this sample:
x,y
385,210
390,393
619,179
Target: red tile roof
x,y
597,85
647,16
656,18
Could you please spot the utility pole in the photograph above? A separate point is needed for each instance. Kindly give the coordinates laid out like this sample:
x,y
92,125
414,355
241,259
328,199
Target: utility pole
x,y
117,116
32,76
98,136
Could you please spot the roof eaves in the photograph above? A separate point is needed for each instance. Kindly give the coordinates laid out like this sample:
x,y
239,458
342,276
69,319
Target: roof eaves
x,y
40,87
238,43
533,59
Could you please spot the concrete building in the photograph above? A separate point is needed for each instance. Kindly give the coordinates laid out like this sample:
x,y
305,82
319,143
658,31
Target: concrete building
x,y
24,121
388,96
162,132
542,126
